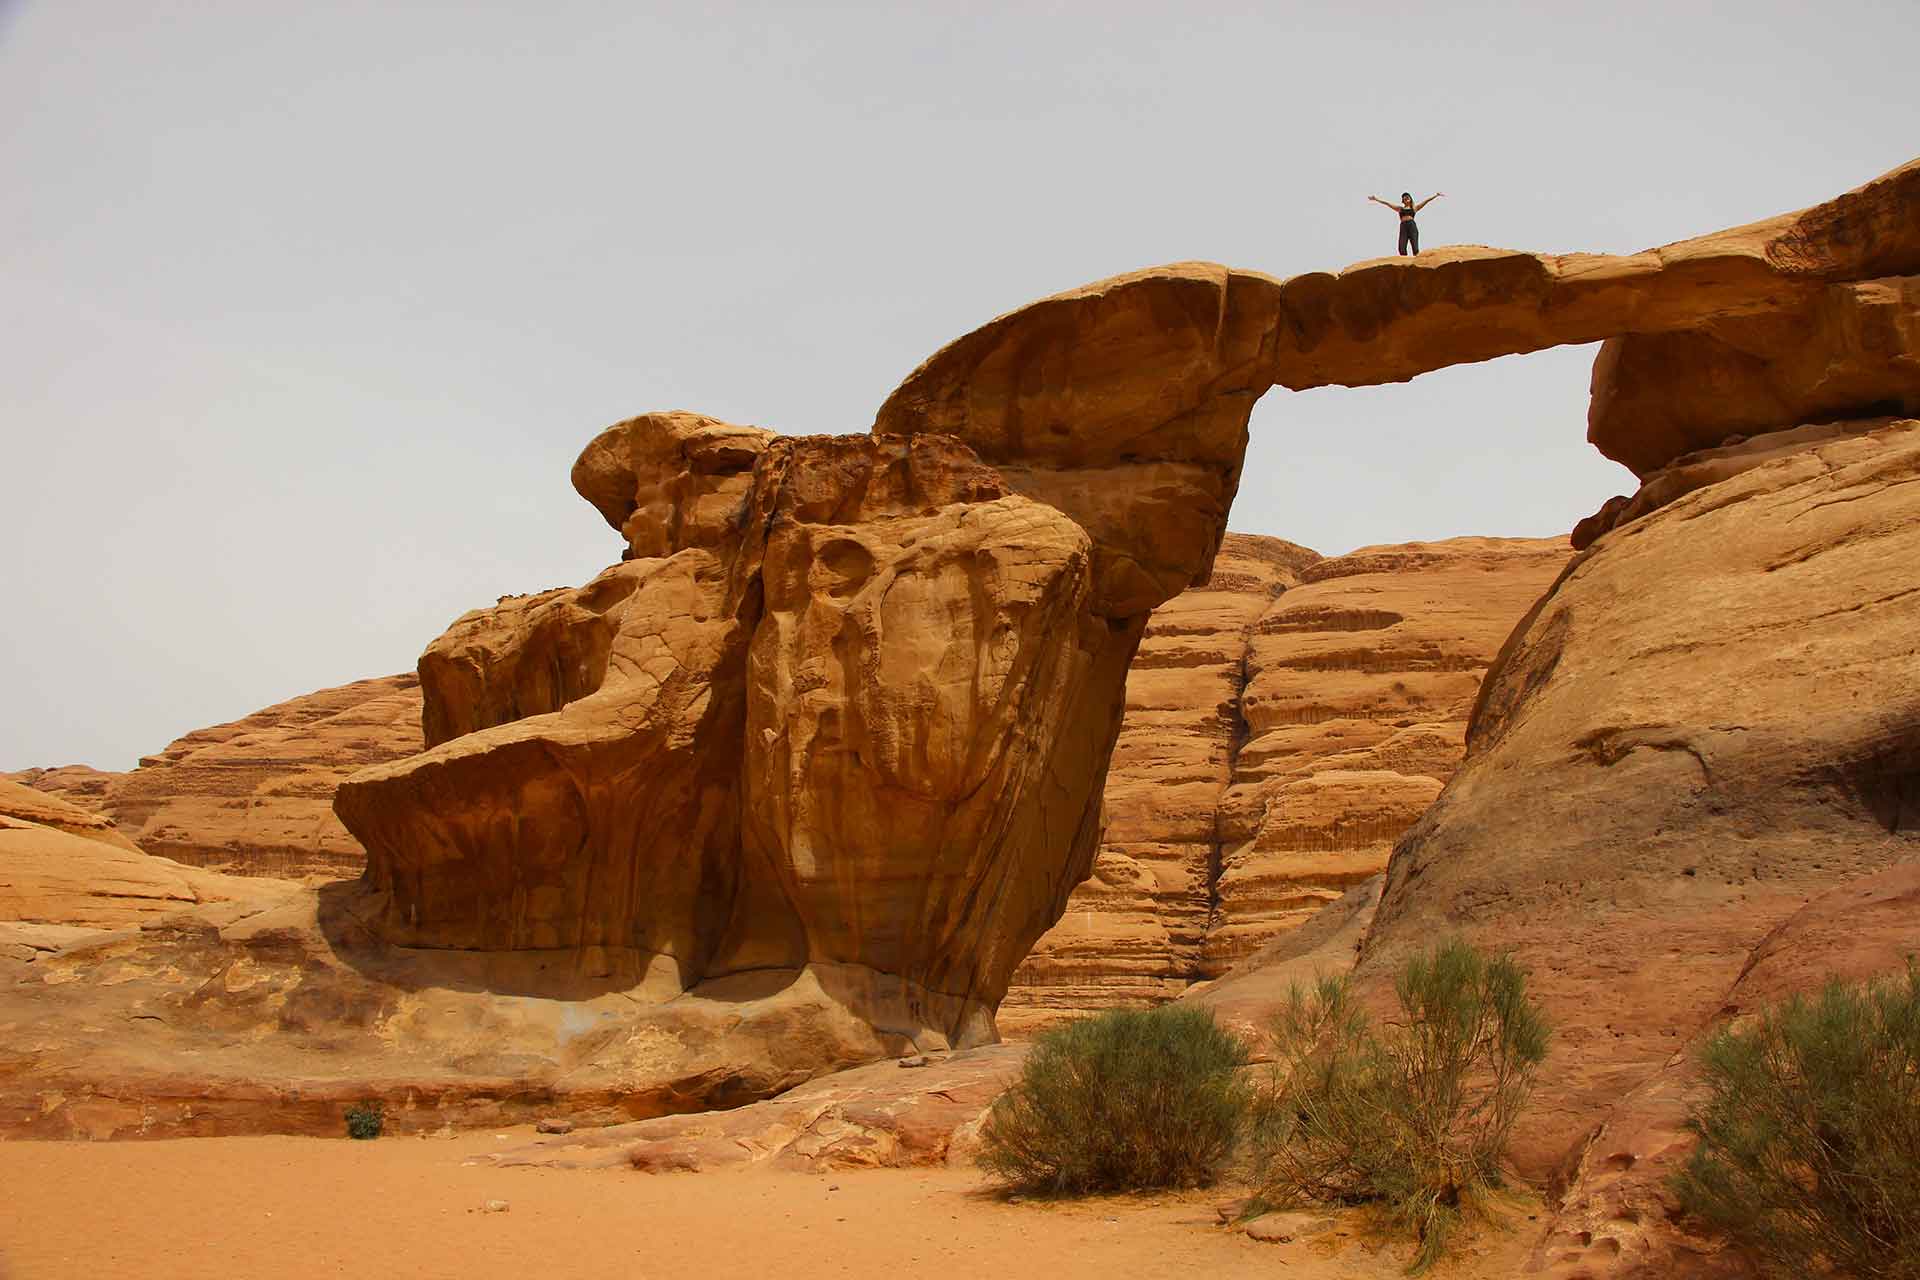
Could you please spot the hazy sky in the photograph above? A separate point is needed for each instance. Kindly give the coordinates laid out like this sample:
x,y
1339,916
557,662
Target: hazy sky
x,y
308,307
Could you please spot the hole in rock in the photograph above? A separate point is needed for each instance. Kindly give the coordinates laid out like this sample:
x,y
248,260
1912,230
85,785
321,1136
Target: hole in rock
x,y
1495,449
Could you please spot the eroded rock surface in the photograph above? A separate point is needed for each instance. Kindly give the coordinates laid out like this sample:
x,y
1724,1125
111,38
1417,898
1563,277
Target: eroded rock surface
x,y
1852,351
1133,931
59,888
26,804
1181,352
1359,683
799,782
255,796
855,728
1710,721
872,1117
1286,723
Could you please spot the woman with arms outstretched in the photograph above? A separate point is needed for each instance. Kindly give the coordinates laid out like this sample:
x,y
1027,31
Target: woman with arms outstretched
x,y
1409,229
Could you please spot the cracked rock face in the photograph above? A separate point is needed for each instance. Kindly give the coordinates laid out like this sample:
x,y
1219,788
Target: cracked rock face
x,y
1287,721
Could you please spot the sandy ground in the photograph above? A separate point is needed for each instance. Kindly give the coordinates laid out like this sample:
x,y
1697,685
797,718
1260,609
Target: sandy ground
x,y
292,1208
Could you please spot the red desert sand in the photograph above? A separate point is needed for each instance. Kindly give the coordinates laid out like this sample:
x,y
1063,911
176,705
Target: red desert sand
x,y
415,1209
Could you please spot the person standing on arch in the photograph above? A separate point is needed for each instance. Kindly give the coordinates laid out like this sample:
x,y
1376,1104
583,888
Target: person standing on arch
x,y
1409,229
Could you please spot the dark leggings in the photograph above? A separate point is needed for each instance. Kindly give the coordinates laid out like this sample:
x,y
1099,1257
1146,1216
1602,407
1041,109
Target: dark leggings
x,y
1409,236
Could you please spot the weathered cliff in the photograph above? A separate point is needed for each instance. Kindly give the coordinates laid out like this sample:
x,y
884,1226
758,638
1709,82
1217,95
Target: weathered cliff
x,y
1286,723
1711,721
255,796
1133,932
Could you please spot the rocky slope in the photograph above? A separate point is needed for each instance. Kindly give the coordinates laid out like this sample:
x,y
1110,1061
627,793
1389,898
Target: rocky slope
x,y
1702,743
24,805
255,796
1359,684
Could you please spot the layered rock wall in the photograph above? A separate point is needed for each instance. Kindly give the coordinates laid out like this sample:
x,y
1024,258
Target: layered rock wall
x,y
255,796
1359,683
1133,932
800,781
1286,723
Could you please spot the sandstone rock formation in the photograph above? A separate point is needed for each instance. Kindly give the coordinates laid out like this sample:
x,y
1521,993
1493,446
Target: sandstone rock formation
x,y
851,728
67,886
1132,932
1359,684
78,784
800,781
1286,723
255,796
872,1117
1851,351
1185,349
1712,720
21,804
67,876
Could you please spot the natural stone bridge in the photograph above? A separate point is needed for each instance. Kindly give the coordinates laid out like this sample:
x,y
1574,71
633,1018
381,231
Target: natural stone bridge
x,y
827,746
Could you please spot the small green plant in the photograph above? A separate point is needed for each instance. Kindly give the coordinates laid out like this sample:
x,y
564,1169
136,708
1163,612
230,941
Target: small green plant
x,y
1126,1100
1809,1153
1413,1119
365,1120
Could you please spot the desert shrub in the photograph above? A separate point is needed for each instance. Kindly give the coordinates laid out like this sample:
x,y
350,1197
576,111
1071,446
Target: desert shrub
x,y
1809,1152
1122,1101
1413,1118
365,1120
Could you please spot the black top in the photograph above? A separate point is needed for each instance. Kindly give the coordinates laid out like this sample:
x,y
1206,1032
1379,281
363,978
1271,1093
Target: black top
x,y
1406,212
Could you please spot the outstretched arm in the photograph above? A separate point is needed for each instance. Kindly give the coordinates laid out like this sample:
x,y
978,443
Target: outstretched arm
x,y
1429,200
1385,204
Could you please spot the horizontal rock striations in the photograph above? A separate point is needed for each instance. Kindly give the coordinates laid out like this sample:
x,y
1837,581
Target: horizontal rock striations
x,y
1132,933
1359,683
1286,723
25,805
255,796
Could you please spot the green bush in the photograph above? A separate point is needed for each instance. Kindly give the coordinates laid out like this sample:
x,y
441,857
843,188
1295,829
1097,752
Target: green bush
x,y
365,1120
1413,1119
1122,1101
1809,1152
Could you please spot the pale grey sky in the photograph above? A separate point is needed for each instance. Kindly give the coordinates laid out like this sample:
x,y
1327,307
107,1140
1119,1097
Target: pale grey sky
x,y
309,307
